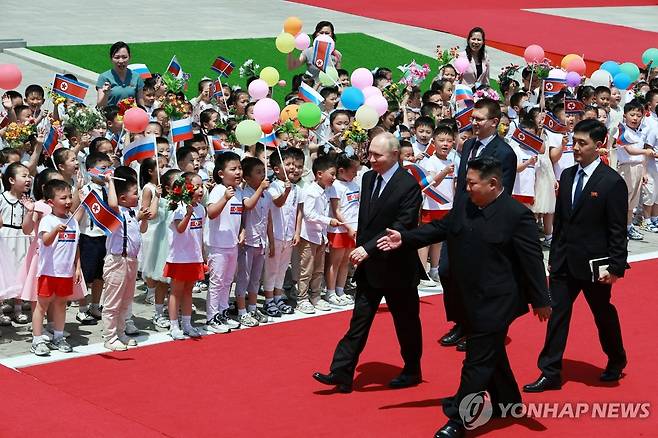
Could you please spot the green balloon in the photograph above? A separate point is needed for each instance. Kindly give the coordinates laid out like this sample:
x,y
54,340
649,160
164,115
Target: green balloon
x,y
631,70
248,132
329,78
309,114
650,56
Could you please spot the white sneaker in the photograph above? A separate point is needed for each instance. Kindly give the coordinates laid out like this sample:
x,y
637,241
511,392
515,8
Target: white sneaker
x,y
130,328
427,283
346,299
334,300
161,321
177,334
191,332
305,307
40,349
224,319
434,276
128,341
247,320
203,286
215,327
197,288
322,305
115,345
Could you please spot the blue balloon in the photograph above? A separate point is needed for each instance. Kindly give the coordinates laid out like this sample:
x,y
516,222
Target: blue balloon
x,y
622,81
352,98
611,67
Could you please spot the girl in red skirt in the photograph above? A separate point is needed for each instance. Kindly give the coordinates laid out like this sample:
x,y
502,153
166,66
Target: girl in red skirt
x,y
185,261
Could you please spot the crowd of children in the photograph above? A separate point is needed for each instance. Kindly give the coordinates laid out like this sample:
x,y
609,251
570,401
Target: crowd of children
x,y
259,218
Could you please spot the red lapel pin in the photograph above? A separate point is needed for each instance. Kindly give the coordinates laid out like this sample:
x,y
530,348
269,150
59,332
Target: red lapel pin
x,y
594,194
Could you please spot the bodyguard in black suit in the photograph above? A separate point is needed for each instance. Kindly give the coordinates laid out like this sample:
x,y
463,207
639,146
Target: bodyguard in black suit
x,y
590,223
485,143
497,269
390,198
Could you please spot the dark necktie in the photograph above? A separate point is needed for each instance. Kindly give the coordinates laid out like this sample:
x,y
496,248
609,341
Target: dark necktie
x,y
104,194
377,189
125,232
474,151
579,186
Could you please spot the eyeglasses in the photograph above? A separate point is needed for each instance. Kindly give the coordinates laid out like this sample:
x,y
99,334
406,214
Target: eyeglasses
x,y
479,119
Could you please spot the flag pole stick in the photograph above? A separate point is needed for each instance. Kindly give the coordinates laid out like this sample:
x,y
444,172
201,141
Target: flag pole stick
x,y
221,87
285,174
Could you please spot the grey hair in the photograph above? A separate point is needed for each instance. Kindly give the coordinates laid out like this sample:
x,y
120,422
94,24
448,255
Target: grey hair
x,y
391,141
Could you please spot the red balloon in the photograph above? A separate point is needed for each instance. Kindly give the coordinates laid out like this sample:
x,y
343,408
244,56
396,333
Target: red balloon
x,y
135,120
10,76
267,128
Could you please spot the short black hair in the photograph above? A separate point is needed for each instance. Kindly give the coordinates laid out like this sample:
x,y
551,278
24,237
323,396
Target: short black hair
x,y
323,163
487,167
11,172
36,89
592,127
53,186
492,106
111,112
249,164
94,158
428,94
290,152
444,128
125,173
221,160
18,109
428,108
182,153
95,144
149,84
634,104
118,46
343,161
405,144
42,178
326,91
424,121
337,113
602,89
196,138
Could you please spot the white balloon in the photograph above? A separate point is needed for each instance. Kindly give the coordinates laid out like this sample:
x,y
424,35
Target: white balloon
x,y
557,73
600,78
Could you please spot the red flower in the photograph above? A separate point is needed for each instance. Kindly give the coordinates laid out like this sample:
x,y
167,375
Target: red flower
x,y
189,187
177,190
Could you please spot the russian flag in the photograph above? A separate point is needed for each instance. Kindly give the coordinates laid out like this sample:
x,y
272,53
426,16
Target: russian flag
x,y
174,67
322,54
141,69
70,89
572,106
98,173
553,86
218,145
437,196
625,136
181,130
140,149
417,172
528,140
309,94
51,141
222,66
269,140
101,213
464,95
553,124
463,119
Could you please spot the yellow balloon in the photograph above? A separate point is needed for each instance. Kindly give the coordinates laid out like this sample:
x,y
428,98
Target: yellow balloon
x,y
330,77
270,75
285,43
367,116
567,59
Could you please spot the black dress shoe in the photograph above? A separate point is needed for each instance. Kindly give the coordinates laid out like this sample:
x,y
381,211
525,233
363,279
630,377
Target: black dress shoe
x,y
461,345
610,375
343,385
450,430
542,384
451,338
405,381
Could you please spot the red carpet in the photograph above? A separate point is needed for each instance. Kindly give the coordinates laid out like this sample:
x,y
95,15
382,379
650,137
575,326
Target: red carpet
x,y
510,28
258,382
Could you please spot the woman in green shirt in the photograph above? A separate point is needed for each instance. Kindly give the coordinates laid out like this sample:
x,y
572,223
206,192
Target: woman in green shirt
x,y
119,82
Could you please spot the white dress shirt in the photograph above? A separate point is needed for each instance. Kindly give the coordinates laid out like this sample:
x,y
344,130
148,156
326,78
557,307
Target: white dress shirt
x,y
483,144
386,177
589,170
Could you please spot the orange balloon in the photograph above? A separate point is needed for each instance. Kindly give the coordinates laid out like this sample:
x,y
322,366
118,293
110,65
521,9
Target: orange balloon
x,y
567,59
290,113
292,25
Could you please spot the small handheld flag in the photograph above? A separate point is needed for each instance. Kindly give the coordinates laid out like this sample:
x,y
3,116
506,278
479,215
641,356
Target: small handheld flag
x,y
552,123
528,140
222,66
51,141
573,106
181,130
463,119
625,136
434,194
70,89
322,54
140,69
417,172
174,68
269,140
553,86
216,89
430,149
218,145
463,96
98,173
309,94
140,149
101,213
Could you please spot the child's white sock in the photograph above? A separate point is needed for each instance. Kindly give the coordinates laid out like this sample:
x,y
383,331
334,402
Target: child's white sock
x,y
278,298
268,300
37,339
159,309
330,293
58,335
173,324
340,291
434,270
242,311
150,292
251,308
654,219
548,236
187,321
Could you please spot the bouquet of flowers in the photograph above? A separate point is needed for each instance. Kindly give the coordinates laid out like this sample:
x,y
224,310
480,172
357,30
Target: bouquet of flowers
x,y
395,92
174,106
181,192
125,104
248,69
413,74
486,92
56,98
446,56
84,118
507,73
174,84
288,127
355,134
542,69
17,134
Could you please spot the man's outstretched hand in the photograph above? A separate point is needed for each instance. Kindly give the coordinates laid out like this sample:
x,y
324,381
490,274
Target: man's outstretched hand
x,y
392,240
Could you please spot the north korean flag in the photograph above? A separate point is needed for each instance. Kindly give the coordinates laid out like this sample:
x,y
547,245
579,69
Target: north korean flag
x,y
101,213
70,89
322,54
553,124
463,119
222,66
528,140
573,106
553,86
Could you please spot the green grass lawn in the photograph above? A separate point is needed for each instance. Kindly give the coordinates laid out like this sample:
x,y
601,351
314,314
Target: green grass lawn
x,y
359,50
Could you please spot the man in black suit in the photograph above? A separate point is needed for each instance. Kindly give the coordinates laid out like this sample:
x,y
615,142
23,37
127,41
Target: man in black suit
x,y
590,223
497,270
485,143
390,198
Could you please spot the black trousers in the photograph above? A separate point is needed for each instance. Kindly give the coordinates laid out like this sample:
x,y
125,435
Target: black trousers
x,y
404,306
444,276
485,368
564,290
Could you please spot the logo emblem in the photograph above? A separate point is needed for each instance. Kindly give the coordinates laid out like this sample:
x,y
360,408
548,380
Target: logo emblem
x,y
95,208
571,105
64,86
549,86
521,136
319,63
475,409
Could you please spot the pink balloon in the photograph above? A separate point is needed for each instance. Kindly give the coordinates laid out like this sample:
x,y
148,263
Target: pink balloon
x,y
325,38
135,120
577,65
10,76
573,79
361,78
282,83
258,89
462,64
302,41
533,53
371,91
378,103
266,111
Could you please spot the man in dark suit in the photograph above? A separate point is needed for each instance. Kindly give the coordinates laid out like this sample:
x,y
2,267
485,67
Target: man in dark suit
x,y
485,143
497,270
590,223
390,198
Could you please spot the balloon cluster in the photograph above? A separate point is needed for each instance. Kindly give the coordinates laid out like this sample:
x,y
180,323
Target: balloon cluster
x,y
364,98
292,37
